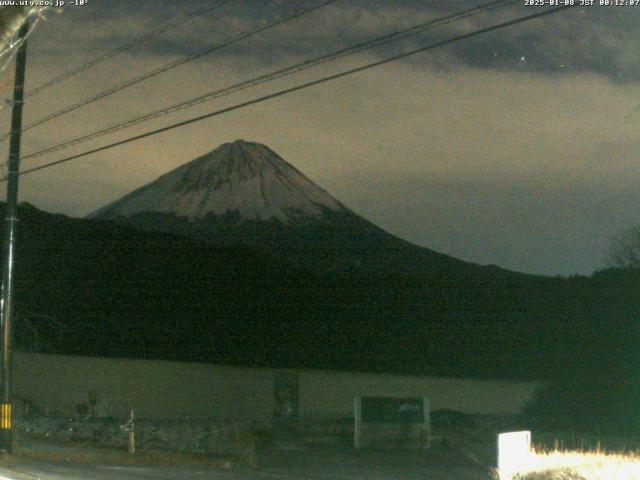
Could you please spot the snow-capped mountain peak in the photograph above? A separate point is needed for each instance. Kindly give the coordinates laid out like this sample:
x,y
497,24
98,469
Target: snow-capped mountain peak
x,y
241,177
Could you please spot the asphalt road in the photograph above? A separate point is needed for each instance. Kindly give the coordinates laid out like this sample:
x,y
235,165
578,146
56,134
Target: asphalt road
x,y
106,472
316,464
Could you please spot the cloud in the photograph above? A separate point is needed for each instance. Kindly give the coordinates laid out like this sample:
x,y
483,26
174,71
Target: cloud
x,y
528,166
585,40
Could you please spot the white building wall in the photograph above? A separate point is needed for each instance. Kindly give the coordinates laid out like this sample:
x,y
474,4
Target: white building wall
x,y
162,389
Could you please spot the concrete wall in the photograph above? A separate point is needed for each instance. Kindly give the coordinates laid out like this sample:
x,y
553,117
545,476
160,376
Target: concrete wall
x,y
154,389
160,389
331,394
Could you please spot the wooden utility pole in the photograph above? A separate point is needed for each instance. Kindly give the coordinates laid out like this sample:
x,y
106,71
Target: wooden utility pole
x,y
11,212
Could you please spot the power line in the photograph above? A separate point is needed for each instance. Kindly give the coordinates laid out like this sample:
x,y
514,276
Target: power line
x,y
274,75
301,87
169,66
123,48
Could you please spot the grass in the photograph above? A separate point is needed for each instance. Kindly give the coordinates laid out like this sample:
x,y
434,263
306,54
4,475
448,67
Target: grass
x,y
35,449
576,465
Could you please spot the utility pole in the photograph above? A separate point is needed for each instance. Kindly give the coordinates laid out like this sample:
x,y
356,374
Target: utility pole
x,y
6,302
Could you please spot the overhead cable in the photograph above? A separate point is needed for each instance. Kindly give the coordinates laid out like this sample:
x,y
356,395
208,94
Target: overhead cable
x,y
123,48
271,76
166,68
303,86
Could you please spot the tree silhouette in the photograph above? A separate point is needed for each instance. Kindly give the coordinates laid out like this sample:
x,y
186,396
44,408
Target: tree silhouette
x,y
624,249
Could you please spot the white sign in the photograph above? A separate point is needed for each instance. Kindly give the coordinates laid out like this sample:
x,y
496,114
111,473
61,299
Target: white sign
x,y
514,453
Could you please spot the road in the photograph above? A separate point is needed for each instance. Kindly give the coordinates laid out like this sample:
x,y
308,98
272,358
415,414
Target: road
x,y
114,472
323,465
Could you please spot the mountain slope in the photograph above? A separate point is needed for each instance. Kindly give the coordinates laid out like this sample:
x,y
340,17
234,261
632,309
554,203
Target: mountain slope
x,y
243,193
119,291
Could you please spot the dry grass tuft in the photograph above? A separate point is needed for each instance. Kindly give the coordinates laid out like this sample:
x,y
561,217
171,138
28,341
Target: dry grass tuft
x,y
570,465
48,450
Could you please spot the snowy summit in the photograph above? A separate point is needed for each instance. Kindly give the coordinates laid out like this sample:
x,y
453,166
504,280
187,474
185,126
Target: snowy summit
x,y
241,177
244,194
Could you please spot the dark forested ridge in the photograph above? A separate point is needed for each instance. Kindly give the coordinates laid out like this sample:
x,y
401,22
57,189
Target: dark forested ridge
x,y
99,288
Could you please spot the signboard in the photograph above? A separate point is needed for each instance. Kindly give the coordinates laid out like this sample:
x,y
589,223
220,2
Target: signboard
x,y
514,452
392,410
391,422
286,392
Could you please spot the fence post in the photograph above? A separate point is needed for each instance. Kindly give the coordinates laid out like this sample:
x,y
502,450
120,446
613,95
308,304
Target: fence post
x,y
132,433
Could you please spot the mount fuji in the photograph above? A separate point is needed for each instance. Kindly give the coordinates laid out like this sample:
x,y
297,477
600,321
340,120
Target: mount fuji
x,y
243,178
245,194
262,267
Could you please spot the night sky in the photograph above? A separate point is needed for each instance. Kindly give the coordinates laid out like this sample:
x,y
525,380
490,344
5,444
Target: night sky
x,y
517,148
